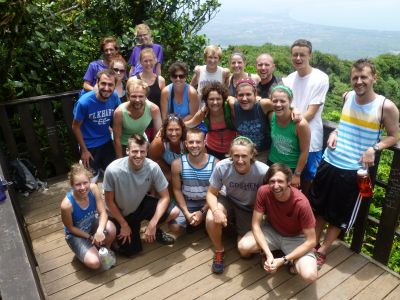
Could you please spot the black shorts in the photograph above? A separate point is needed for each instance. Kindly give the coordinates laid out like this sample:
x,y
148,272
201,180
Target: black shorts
x,y
145,211
102,156
334,195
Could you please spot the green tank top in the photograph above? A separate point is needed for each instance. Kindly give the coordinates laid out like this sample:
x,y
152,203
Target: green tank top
x,y
285,146
131,126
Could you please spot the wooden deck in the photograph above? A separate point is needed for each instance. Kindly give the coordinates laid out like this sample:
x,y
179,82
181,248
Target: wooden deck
x,y
183,271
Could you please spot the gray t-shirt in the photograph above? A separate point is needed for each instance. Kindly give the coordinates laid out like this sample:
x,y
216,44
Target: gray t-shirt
x,y
241,189
130,186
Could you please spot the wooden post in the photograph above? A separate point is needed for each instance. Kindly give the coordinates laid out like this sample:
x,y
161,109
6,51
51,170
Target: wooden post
x,y
390,213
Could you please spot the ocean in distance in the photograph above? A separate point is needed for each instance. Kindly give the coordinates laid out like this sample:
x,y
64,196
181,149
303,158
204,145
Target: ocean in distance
x,y
346,43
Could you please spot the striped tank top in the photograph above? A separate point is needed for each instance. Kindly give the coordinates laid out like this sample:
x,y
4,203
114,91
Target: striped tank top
x,y
195,181
359,129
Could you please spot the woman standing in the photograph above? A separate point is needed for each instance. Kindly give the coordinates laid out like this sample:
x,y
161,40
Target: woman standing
x,y
118,65
290,140
155,82
145,40
216,115
85,218
237,64
179,97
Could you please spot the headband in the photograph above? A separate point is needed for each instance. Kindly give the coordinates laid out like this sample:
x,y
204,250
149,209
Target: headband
x,y
284,88
246,81
242,137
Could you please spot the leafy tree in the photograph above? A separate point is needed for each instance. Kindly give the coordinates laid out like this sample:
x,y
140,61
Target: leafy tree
x,y
46,45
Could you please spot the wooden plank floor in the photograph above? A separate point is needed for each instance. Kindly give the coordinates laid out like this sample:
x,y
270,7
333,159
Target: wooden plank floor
x,y
183,270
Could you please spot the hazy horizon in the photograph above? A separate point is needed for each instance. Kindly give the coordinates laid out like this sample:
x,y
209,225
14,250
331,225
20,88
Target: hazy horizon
x,y
349,29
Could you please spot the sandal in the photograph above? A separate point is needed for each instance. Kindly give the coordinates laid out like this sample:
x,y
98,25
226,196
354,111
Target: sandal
x,y
321,258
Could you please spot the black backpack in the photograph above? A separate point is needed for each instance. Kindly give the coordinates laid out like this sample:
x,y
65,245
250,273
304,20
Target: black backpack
x,y
24,175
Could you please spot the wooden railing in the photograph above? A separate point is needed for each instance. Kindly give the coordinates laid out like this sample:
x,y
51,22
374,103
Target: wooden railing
x,y
39,128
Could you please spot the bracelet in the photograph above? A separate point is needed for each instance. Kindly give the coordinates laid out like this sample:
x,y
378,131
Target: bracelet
x,y
215,210
297,173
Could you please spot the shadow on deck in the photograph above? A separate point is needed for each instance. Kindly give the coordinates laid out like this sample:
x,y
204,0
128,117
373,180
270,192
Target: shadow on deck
x,y
183,271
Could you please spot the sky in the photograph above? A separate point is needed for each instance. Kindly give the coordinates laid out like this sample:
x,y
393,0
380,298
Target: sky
x,y
359,14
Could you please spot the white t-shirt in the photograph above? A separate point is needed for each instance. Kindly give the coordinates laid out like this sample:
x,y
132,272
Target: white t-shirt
x,y
207,77
308,90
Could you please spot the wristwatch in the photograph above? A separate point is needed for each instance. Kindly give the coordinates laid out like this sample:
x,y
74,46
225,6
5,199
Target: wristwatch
x,y
297,173
203,211
285,260
376,148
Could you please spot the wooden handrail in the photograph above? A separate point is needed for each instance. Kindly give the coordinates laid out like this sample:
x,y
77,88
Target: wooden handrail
x,y
52,116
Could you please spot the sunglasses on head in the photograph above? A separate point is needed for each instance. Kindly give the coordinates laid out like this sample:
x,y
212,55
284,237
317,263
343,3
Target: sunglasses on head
x,y
180,76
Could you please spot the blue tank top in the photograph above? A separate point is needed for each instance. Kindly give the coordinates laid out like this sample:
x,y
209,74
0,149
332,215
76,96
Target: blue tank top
x,y
253,124
195,181
182,109
82,218
168,155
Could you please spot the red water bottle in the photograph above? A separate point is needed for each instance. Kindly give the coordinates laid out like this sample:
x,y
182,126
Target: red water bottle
x,y
364,183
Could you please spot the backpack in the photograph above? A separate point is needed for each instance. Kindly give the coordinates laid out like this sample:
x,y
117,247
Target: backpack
x,y
24,176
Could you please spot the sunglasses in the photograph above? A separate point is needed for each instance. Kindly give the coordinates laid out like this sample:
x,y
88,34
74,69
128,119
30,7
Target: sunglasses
x,y
116,70
180,76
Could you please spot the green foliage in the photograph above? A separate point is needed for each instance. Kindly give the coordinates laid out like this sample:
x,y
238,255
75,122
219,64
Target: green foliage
x,y
46,46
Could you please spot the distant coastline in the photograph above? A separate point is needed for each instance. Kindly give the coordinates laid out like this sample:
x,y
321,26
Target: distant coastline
x,y
346,43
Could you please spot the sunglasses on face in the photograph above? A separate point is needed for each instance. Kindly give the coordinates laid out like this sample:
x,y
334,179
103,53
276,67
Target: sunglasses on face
x,y
180,76
116,70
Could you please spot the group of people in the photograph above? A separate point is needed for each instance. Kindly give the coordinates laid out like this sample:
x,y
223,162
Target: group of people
x,y
234,149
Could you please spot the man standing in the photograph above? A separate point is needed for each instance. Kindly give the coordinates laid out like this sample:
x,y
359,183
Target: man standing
x,y
335,196
239,178
190,179
289,226
265,69
309,86
93,113
126,183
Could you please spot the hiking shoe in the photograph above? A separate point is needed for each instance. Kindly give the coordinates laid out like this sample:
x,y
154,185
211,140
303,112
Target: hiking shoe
x,y
321,258
164,238
218,262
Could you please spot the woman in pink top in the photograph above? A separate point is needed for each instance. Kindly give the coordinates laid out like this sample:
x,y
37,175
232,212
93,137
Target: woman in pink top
x,y
216,115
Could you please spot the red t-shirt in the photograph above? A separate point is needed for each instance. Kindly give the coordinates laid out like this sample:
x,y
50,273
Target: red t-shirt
x,y
289,218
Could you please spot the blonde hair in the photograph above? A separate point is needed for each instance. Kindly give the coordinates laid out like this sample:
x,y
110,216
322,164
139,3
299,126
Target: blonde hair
x,y
134,83
244,141
77,169
144,27
211,50
148,51
119,59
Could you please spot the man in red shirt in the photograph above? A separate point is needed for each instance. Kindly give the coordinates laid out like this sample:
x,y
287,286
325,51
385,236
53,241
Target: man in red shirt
x,y
289,226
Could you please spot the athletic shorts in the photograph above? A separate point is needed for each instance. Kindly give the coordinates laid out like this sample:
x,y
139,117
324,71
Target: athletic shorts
x,y
192,205
286,244
79,245
102,156
235,214
334,195
313,161
145,211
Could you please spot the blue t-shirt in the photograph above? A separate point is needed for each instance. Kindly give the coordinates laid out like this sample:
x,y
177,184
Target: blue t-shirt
x,y
96,117
92,70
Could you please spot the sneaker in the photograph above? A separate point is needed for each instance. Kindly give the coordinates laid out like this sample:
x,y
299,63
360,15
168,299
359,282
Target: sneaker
x,y
218,262
164,238
321,258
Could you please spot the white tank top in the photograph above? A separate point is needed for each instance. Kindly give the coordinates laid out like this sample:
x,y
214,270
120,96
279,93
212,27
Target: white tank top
x,y
206,77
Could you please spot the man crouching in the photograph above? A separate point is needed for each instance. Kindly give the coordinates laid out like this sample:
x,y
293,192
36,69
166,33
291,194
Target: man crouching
x,y
289,226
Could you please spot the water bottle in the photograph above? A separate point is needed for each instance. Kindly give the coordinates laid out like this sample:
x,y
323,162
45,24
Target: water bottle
x,y
364,183
107,258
